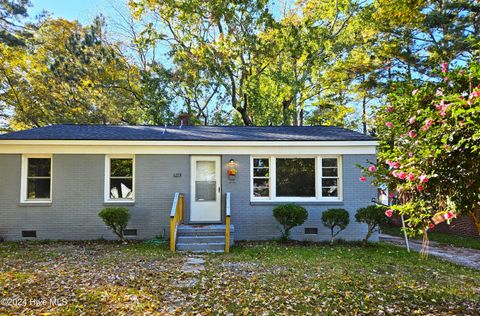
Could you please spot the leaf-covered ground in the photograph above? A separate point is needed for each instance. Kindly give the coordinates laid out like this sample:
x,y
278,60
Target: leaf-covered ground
x,y
266,278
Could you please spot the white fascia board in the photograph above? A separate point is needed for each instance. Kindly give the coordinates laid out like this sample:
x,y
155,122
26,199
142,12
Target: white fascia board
x,y
210,149
189,143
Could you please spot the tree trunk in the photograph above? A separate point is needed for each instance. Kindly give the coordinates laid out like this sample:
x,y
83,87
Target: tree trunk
x,y
364,114
476,220
285,105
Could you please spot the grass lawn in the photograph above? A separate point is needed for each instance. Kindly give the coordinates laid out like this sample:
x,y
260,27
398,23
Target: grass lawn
x,y
265,278
447,239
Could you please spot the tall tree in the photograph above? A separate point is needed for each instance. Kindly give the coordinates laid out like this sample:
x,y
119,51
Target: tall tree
x,y
12,28
68,73
217,39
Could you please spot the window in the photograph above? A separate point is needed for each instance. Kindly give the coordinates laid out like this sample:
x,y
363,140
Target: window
x,y
330,177
120,178
309,178
261,177
36,179
295,177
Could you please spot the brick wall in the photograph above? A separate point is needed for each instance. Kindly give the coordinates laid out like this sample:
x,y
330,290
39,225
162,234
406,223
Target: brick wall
x,y
462,226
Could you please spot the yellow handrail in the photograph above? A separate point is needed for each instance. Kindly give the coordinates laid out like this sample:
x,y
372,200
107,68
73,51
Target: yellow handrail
x,y
176,217
227,223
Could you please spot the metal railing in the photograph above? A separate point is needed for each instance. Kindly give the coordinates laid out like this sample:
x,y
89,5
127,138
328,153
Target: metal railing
x,y
176,216
227,222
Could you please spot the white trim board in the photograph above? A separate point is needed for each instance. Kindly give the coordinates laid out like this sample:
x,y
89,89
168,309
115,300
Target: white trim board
x,y
218,148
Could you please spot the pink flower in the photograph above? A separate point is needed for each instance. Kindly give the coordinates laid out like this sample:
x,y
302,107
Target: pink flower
x,y
414,92
444,67
412,134
427,125
391,195
419,187
475,94
395,173
448,215
389,213
389,124
390,109
395,165
410,154
411,176
412,120
363,179
431,226
372,168
423,178
402,175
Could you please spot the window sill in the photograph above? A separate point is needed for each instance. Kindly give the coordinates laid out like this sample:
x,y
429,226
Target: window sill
x,y
119,203
270,202
36,203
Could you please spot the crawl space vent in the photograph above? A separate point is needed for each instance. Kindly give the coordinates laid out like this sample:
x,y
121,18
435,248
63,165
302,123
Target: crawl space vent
x,y
130,232
311,231
29,233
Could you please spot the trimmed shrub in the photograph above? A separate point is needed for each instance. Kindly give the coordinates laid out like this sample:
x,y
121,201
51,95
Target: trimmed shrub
x,y
373,216
289,216
116,218
335,218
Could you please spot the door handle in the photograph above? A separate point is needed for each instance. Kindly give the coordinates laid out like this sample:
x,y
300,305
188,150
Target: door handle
x,y
219,190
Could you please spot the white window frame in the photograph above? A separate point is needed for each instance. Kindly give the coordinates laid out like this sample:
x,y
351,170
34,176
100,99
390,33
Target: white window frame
x,y
107,198
24,179
318,180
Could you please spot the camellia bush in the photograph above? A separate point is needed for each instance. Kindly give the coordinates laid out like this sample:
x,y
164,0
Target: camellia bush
x,y
429,154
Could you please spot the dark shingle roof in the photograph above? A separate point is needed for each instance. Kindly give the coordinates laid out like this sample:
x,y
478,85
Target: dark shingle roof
x,y
188,133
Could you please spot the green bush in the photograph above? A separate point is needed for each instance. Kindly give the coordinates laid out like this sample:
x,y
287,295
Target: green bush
x,y
335,218
289,216
373,216
116,218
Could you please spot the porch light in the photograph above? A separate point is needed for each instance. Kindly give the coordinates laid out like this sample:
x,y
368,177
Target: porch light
x,y
232,169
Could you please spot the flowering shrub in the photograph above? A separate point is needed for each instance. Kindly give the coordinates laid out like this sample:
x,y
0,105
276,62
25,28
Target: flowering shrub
x,y
429,154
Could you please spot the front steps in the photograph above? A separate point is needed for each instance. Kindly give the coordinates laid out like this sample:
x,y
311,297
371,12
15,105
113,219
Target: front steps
x,y
202,238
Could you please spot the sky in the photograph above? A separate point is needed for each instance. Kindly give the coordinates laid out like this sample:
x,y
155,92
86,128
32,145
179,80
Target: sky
x,y
82,10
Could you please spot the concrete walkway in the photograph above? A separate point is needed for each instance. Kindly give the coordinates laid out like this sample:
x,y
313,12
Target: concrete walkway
x,y
463,256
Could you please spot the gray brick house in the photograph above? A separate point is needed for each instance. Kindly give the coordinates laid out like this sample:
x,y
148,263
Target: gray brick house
x,y
56,179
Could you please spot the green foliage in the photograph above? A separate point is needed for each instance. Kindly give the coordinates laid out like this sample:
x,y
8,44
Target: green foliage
x,y
429,147
116,218
335,218
289,216
373,216
12,12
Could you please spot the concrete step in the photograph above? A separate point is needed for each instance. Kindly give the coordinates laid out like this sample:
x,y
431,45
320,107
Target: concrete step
x,y
200,239
203,230
201,247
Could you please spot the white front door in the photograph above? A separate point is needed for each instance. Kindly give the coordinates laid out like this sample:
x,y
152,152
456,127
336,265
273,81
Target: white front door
x,y
205,189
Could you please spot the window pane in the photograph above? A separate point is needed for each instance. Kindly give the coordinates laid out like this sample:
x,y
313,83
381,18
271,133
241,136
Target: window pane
x,y
38,189
329,187
329,162
205,171
330,172
261,172
121,188
121,167
261,187
296,177
329,182
39,167
262,162
205,191
332,191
